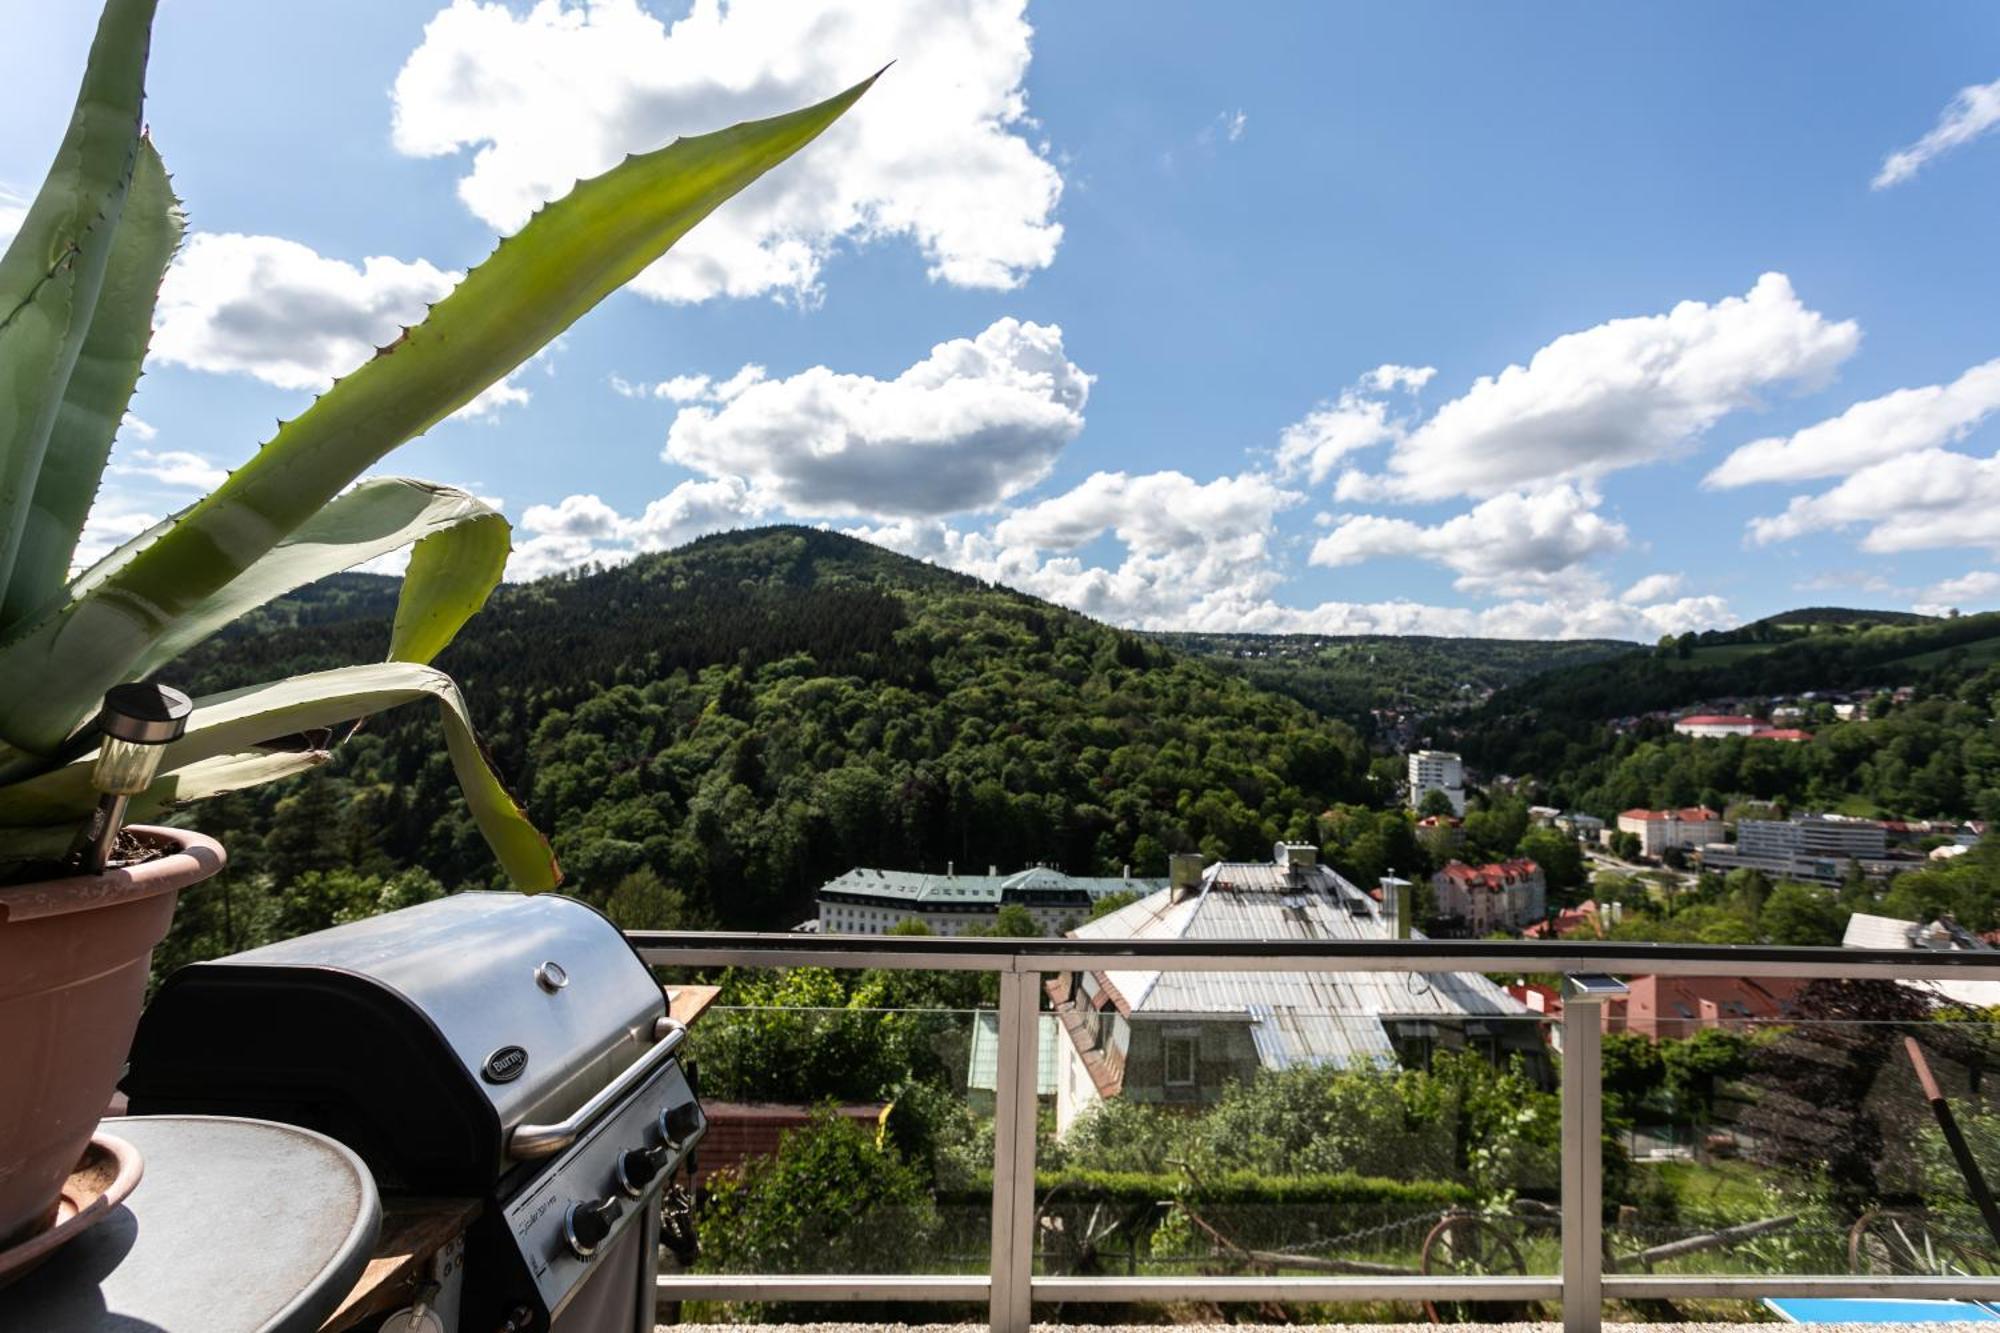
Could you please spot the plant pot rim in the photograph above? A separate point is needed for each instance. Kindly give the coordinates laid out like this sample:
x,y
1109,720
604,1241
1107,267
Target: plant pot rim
x,y
194,857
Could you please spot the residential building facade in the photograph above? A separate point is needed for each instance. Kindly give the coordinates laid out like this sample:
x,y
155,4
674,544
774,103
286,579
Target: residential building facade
x,y
1656,1007
1821,849
1477,900
871,902
1658,830
1437,770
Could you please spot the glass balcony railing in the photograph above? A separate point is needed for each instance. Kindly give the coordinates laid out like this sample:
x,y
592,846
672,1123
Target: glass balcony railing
x,y
970,1122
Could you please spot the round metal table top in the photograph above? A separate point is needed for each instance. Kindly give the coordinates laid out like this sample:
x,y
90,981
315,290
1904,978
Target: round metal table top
x,y
238,1225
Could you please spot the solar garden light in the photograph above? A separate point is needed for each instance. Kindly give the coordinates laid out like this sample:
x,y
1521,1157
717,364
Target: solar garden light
x,y
137,721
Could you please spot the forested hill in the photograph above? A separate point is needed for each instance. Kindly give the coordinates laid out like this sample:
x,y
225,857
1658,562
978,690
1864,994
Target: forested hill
x,y
742,718
1349,675
1555,723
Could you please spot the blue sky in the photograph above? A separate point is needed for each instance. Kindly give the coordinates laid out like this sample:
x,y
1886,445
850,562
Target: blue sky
x,y
1522,321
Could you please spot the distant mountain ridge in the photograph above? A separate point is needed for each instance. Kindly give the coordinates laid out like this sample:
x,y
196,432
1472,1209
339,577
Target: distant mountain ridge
x,y
749,715
1527,727
1352,675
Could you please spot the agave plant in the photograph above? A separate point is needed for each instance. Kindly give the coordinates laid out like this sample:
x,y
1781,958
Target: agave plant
x,y
77,291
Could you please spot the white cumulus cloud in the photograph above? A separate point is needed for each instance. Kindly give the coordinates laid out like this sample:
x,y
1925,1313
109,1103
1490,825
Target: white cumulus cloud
x,y
282,312
1970,590
937,153
1515,542
1626,392
1651,588
1348,423
1869,432
583,529
172,467
1971,113
977,421
1926,499
279,310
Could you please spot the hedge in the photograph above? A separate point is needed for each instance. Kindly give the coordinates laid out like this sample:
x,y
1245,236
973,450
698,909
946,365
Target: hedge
x,y
1234,1187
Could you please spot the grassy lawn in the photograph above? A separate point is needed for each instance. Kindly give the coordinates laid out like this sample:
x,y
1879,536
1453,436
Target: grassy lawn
x,y
1859,807
1729,1190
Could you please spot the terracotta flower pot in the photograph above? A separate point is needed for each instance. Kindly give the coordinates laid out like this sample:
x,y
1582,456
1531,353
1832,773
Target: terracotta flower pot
x,y
74,956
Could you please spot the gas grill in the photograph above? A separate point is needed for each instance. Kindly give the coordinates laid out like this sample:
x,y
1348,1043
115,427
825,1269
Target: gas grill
x,y
487,1044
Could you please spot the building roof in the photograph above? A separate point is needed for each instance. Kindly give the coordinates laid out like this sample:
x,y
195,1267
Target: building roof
x,y
1495,878
1691,814
1780,734
1868,931
1295,1017
919,889
1565,920
1717,720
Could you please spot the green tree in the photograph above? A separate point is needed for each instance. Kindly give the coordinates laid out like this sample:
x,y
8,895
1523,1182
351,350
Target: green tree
x,y
644,901
1435,802
1634,1074
1802,914
1014,921
1559,857
836,1197
1112,902
1698,1065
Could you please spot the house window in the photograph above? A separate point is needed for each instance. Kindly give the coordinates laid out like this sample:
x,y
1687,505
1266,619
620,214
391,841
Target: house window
x,y
1179,1055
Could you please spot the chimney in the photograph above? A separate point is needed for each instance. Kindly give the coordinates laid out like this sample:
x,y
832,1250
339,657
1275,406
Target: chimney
x,y
1399,905
993,872
1184,871
1126,873
951,870
1295,858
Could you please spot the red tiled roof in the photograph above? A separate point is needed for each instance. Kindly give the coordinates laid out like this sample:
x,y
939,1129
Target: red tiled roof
x,y
1717,720
1780,734
1494,877
1568,919
1691,814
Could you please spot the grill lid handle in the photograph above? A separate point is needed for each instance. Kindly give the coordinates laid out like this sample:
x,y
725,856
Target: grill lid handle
x,y
531,1141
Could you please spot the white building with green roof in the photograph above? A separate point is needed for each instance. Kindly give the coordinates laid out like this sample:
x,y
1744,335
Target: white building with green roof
x,y
870,902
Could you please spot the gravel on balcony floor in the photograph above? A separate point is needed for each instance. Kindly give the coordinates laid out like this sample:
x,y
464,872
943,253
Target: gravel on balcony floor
x,y
1691,1327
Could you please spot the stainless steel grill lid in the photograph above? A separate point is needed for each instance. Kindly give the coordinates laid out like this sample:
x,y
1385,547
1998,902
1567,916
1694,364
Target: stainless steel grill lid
x,y
421,1038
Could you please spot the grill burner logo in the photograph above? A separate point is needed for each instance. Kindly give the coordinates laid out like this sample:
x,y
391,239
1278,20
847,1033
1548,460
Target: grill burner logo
x,y
504,1065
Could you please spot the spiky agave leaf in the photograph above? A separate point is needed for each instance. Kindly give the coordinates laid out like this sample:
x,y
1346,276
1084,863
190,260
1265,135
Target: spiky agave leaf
x,y
220,746
461,545
99,388
51,273
569,257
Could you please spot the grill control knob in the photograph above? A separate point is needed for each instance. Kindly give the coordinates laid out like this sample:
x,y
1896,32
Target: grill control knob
x,y
677,1123
586,1225
638,1166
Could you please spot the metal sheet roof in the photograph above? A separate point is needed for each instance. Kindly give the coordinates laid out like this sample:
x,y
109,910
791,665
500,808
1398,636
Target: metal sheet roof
x,y
1295,1017
918,889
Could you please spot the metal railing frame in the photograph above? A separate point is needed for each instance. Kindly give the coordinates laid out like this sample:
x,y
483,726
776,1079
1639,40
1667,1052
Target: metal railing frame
x,y
1012,1288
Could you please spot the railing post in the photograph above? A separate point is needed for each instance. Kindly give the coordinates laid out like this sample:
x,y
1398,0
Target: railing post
x,y
1583,1149
1009,1307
